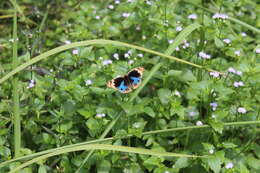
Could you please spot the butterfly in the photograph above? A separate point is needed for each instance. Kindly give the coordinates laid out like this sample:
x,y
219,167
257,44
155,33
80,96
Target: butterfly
x,y
127,83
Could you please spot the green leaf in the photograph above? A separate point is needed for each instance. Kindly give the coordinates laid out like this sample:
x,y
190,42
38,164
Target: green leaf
x,y
164,95
181,163
42,169
218,42
149,111
104,167
214,162
217,126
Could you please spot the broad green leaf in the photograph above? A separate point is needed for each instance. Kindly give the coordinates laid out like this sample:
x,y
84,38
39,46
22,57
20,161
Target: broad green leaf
x,y
164,95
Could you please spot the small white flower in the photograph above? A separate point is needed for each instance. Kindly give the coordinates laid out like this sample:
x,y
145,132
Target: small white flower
x,y
192,113
229,165
148,2
177,48
241,110
31,84
129,52
126,55
144,37
130,62
97,17
219,16
170,41
166,172
117,1
88,82
226,40
116,56
193,16
107,62
140,55
231,70
177,93
100,58
67,42
126,15
111,6
199,123
257,50
99,115
239,73
75,52
129,0
243,34
138,28
178,28
204,55
237,52
211,151
214,74
213,116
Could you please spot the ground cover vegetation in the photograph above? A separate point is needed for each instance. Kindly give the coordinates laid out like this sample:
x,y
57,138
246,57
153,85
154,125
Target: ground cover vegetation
x,y
196,109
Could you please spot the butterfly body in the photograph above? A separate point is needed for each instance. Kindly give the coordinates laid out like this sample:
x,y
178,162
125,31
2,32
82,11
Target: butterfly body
x,y
127,83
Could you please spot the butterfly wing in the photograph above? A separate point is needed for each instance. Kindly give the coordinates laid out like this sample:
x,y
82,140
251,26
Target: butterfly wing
x,y
135,76
121,84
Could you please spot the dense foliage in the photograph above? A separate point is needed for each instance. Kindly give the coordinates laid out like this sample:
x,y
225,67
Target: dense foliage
x,y
64,99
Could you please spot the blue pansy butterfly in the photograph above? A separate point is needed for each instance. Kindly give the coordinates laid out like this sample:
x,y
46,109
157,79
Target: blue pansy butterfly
x,y
127,83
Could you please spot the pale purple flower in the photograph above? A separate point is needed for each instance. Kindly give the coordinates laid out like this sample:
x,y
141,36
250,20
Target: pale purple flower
x,y
116,56
140,55
170,41
204,55
214,74
111,6
226,40
97,17
177,48
67,42
178,28
192,16
31,84
214,105
100,115
126,55
192,113
88,82
75,52
241,110
243,34
237,52
129,52
107,62
257,50
199,123
219,16
130,62
232,70
126,15
117,1
238,84
239,73
229,165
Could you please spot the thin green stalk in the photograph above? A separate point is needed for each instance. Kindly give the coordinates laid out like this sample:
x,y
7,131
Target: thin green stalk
x,y
16,114
92,42
154,132
109,148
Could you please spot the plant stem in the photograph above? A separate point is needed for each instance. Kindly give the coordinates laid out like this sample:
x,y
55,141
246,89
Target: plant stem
x,y
16,115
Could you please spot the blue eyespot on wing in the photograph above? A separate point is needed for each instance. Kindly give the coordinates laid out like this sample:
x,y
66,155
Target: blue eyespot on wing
x,y
121,84
135,76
